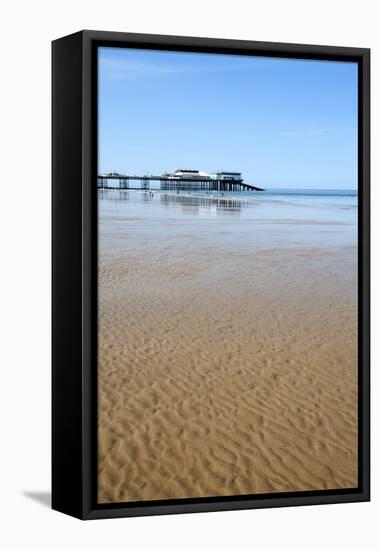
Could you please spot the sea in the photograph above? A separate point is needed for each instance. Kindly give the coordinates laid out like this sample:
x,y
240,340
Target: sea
x,y
271,218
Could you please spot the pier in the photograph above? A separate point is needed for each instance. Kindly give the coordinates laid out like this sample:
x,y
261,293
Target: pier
x,y
121,181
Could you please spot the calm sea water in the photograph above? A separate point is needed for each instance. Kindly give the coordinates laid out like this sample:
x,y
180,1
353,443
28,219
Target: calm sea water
x,y
272,218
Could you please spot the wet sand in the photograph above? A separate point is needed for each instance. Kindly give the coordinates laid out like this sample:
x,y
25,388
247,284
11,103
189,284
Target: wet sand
x,y
227,356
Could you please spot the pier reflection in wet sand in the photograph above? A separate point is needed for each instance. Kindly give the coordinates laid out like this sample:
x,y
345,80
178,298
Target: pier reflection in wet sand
x,y
186,204
194,203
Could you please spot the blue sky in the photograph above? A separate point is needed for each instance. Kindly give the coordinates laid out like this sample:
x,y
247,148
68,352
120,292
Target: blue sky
x,y
281,122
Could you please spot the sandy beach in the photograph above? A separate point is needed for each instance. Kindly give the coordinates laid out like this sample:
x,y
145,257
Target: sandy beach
x,y
227,347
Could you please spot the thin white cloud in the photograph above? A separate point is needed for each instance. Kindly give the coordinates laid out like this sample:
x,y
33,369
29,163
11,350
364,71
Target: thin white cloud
x,y
121,69
306,132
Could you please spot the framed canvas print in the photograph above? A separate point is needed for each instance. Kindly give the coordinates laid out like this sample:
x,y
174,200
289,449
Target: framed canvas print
x,y
210,274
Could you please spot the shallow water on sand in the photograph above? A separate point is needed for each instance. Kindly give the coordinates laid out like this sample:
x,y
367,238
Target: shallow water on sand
x,y
265,219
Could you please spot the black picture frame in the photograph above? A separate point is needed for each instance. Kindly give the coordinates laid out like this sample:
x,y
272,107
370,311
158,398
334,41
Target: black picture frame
x,y
74,271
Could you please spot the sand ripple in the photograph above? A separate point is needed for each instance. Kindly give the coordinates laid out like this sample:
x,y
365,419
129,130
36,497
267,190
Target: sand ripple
x,y
227,373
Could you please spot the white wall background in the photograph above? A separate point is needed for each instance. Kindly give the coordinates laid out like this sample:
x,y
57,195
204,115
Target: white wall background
x,y
26,31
